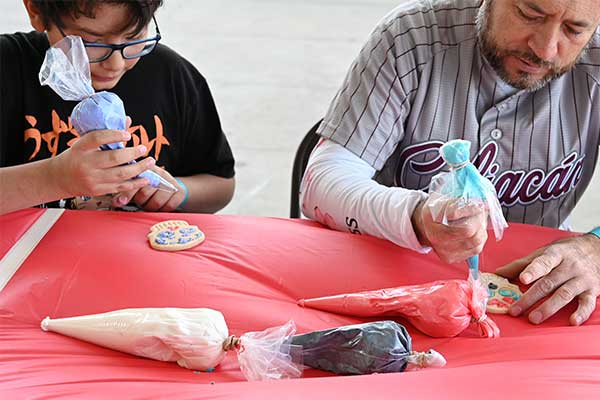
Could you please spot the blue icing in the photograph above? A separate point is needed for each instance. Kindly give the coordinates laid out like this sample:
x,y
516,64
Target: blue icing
x,y
183,240
187,231
166,234
160,240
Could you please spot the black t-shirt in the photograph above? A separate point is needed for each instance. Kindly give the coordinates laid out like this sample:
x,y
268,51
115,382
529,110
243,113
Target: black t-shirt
x,y
168,100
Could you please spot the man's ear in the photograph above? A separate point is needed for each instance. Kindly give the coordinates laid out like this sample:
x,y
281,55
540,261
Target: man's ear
x,y
35,18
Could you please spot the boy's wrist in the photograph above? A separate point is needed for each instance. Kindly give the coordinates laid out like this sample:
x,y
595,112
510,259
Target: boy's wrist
x,y
185,193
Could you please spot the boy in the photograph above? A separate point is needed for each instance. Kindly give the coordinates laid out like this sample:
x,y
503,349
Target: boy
x,y
174,124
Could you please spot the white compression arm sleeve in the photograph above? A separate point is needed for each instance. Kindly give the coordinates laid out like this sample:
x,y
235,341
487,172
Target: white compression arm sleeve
x,y
338,190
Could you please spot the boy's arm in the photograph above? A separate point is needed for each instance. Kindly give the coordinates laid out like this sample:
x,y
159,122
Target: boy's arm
x,y
207,193
27,185
81,170
200,193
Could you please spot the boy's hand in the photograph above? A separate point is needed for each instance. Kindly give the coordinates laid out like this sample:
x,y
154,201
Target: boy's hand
x,y
85,170
152,199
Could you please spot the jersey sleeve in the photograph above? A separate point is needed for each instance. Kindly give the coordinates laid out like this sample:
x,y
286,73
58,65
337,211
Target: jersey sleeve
x,y
338,191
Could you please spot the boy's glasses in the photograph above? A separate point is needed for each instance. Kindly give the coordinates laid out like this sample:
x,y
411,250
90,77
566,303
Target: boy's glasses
x,y
98,52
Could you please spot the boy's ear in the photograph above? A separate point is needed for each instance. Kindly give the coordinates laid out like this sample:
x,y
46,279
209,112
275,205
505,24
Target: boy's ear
x,y
36,20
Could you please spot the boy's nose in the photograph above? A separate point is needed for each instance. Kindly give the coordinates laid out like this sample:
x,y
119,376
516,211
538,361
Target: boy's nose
x,y
115,62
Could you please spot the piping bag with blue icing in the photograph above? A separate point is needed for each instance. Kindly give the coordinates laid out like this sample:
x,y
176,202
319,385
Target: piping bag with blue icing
x,y
465,185
66,70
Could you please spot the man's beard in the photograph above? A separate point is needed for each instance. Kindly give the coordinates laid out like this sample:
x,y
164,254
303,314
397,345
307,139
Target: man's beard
x,y
496,56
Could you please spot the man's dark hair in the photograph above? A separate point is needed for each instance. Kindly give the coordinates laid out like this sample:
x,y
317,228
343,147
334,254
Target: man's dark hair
x,y
140,11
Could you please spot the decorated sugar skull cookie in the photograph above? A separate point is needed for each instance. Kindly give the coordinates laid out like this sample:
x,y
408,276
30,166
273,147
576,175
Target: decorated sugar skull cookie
x,y
502,293
174,236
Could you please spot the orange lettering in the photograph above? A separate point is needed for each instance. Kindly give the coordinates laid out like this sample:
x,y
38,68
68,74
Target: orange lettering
x,y
59,127
32,133
73,132
155,143
134,137
160,138
144,140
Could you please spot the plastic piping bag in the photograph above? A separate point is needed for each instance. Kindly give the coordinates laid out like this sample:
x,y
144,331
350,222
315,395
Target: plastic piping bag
x,y
66,70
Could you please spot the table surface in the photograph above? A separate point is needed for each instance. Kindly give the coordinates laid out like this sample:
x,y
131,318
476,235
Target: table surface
x,y
254,270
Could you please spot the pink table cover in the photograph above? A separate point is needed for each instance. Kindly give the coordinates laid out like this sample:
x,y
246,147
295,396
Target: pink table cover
x,y
253,270
14,225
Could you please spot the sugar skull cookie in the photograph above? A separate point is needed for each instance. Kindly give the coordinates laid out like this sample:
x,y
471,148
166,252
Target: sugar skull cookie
x,y
502,293
174,236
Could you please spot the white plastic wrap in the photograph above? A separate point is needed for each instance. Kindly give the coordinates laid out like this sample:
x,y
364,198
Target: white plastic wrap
x,y
429,359
463,186
269,354
66,69
195,338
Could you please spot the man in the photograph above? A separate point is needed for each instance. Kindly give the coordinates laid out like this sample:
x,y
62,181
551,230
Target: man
x,y
517,78
172,114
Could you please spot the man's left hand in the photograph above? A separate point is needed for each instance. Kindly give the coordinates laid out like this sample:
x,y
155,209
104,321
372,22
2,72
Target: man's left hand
x,y
562,271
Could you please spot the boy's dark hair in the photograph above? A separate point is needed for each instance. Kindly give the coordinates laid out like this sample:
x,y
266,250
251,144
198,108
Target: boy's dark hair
x,y
140,11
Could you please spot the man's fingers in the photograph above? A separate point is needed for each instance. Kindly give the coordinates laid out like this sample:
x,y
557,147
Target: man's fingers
x,y
514,268
456,251
456,211
587,305
561,297
542,288
540,266
475,241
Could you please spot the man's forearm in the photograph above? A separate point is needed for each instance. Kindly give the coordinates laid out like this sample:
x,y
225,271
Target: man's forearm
x,y
27,185
207,193
338,190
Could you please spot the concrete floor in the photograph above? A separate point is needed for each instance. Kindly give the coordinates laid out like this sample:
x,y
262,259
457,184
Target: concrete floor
x,y
273,67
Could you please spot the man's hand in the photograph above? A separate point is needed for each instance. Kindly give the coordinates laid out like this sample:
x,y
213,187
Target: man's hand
x,y
458,236
562,271
152,199
84,169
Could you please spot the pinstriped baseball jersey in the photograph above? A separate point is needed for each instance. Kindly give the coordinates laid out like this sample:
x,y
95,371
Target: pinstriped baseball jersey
x,y
421,80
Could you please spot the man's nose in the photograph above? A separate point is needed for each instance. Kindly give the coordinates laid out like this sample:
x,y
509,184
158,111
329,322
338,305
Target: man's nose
x,y
544,43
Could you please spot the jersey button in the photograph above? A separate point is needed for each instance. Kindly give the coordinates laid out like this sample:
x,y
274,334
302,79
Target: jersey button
x,y
496,134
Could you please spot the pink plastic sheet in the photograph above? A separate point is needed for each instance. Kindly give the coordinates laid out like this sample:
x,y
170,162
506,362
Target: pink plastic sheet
x,y
14,225
254,270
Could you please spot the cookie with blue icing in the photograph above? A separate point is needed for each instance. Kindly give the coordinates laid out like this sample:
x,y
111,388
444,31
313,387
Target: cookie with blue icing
x,y
174,236
502,293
